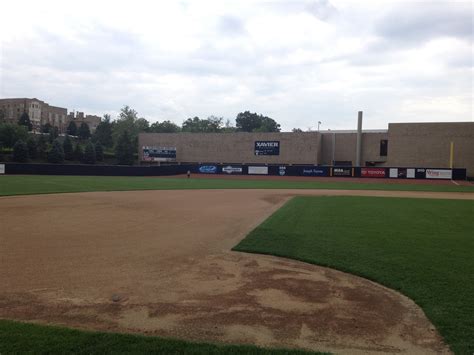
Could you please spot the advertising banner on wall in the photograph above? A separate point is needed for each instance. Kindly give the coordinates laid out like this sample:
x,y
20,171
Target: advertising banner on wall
x,y
393,173
267,147
2,168
372,172
258,170
232,169
159,153
342,171
439,173
314,171
208,169
410,173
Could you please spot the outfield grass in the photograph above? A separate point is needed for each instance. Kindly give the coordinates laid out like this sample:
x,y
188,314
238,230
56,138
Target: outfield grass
x,y
422,248
20,338
39,184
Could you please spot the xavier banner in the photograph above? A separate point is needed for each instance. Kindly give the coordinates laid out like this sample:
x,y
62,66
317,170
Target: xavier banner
x,y
267,148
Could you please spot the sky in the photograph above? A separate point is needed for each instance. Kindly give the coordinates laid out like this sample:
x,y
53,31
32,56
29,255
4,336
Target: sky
x,y
298,62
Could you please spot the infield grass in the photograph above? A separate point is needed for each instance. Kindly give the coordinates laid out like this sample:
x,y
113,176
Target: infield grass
x,y
42,184
21,338
422,248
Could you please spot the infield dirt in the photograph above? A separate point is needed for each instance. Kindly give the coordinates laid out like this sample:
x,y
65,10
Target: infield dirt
x,y
159,263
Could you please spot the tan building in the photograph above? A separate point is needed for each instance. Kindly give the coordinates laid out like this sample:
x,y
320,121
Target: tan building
x,y
78,118
41,113
402,145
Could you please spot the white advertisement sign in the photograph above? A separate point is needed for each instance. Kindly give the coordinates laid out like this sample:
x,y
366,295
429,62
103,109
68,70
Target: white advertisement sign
x,y
393,172
258,170
410,173
232,169
2,168
439,174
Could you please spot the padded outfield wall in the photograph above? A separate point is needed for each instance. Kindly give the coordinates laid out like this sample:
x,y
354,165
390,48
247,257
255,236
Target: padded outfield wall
x,y
242,147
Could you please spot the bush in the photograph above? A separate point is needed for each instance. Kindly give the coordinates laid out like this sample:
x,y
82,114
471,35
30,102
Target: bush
x,y
56,154
84,132
99,152
25,121
89,153
43,146
53,134
20,152
32,147
11,133
124,149
72,129
68,149
78,153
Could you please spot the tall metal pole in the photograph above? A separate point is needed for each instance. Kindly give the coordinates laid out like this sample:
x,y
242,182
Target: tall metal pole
x,y
359,139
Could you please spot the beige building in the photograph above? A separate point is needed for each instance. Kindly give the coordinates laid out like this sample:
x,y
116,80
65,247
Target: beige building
x,y
402,145
41,113
78,118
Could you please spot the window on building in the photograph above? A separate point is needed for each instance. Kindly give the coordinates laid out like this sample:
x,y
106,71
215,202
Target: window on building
x,y
383,147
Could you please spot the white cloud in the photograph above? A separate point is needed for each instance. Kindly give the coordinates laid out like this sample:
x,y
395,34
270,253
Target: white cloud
x,y
297,61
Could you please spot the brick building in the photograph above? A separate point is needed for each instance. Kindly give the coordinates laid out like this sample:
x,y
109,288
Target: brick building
x,y
41,113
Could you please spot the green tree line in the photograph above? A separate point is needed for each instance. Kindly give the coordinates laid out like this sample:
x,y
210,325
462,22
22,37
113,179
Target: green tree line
x,y
118,137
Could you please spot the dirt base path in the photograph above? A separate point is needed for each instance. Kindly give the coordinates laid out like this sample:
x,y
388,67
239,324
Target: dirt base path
x,y
159,263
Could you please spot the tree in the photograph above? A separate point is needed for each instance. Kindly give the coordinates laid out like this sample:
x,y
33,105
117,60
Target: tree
x,y
45,128
84,132
99,152
2,115
32,147
228,128
25,121
297,130
68,149
89,153
142,125
72,129
127,121
56,154
195,124
253,122
124,149
20,151
53,134
78,153
103,132
11,133
164,127
43,146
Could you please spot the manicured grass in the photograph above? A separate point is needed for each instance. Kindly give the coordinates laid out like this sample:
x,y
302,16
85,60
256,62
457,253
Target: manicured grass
x,y
20,338
422,248
38,184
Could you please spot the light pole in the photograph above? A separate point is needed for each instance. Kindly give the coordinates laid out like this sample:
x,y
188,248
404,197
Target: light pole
x,y
319,123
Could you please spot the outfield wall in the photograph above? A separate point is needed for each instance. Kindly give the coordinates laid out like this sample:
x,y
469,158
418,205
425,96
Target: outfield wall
x,y
293,148
235,169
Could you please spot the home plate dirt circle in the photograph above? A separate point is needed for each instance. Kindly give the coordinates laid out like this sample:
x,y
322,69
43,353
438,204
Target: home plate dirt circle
x,y
159,263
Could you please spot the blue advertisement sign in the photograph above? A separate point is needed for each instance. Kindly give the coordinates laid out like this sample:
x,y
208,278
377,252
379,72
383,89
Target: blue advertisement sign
x,y
315,171
208,169
267,148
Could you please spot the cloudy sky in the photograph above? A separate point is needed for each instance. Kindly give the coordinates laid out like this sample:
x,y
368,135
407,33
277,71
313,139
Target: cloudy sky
x,y
298,62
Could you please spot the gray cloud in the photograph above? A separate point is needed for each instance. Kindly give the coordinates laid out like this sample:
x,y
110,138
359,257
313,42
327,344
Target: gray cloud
x,y
417,23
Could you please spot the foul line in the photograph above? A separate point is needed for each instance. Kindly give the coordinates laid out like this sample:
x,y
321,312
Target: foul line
x,y
454,182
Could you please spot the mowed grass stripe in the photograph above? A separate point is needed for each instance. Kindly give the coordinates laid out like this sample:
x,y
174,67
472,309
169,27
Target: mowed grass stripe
x,y
42,184
20,338
422,248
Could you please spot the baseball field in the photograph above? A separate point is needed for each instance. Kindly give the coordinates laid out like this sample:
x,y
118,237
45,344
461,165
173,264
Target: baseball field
x,y
223,265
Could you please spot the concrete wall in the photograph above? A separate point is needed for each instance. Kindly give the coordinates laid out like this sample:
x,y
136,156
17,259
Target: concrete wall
x,y
295,148
428,145
346,147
